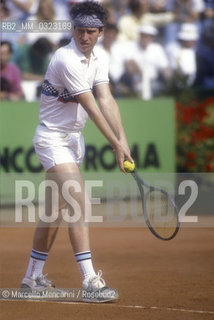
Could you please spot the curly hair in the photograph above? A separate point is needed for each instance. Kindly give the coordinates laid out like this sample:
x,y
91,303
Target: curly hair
x,y
89,8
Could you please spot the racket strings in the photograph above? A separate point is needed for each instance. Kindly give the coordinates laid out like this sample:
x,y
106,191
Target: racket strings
x,y
161,213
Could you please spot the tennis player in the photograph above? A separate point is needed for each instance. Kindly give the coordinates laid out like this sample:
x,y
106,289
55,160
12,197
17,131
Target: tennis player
x,y
66,103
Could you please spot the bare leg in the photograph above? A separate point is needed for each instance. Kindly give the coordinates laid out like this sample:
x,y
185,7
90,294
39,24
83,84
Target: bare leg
x,y
78,232
45,233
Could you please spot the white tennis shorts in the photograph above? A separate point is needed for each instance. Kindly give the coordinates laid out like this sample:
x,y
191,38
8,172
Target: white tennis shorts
x,y
53,147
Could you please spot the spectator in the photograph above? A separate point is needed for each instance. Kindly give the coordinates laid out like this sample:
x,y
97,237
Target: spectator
x,y
10,74
115,52
208,15
112,16
186,11
5,89
61,8
129,24
14,38
146,65
4,11
22,9
45,12
157,6
205,59
182,54
33,60
209,9
121,8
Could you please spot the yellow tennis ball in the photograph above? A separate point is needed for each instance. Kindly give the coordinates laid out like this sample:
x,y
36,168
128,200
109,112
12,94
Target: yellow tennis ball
x,y
128,166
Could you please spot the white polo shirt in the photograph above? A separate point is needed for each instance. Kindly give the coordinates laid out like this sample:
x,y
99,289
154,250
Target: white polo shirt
x,y
68,75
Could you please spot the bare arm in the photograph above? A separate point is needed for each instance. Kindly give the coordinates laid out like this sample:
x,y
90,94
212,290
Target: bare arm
x,y
89,104
111,113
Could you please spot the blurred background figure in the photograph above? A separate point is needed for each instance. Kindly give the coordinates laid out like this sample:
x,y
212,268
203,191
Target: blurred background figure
x,y
121,8
146,66
4,10
22,9
179,25
209,9
115,53
208,14
5,89
182,55
112,14
139,14
186,11
15,38
46,12
205,59
33,61
61,8
10,74
159,7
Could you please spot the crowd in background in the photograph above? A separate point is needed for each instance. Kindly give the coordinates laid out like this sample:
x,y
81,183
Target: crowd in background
x,y
152,46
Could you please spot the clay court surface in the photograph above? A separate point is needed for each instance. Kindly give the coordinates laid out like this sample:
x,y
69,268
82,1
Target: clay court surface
x,y
155,279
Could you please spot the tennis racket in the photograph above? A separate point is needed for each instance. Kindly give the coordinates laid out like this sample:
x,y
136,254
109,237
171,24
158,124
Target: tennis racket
x,y
159,209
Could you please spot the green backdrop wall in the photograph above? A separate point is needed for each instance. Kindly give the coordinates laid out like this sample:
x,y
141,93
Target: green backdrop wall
x,y
149,127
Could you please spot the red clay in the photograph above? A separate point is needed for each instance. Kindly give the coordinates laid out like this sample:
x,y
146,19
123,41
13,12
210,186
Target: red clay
x,y
176,277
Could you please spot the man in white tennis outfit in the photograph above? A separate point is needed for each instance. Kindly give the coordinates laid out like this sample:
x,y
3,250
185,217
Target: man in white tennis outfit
x,y
66,103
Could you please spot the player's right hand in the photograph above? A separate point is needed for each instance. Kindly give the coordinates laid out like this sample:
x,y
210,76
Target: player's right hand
x,y
122,153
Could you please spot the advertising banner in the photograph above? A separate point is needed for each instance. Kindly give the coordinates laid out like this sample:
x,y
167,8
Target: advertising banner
x,y
149,128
